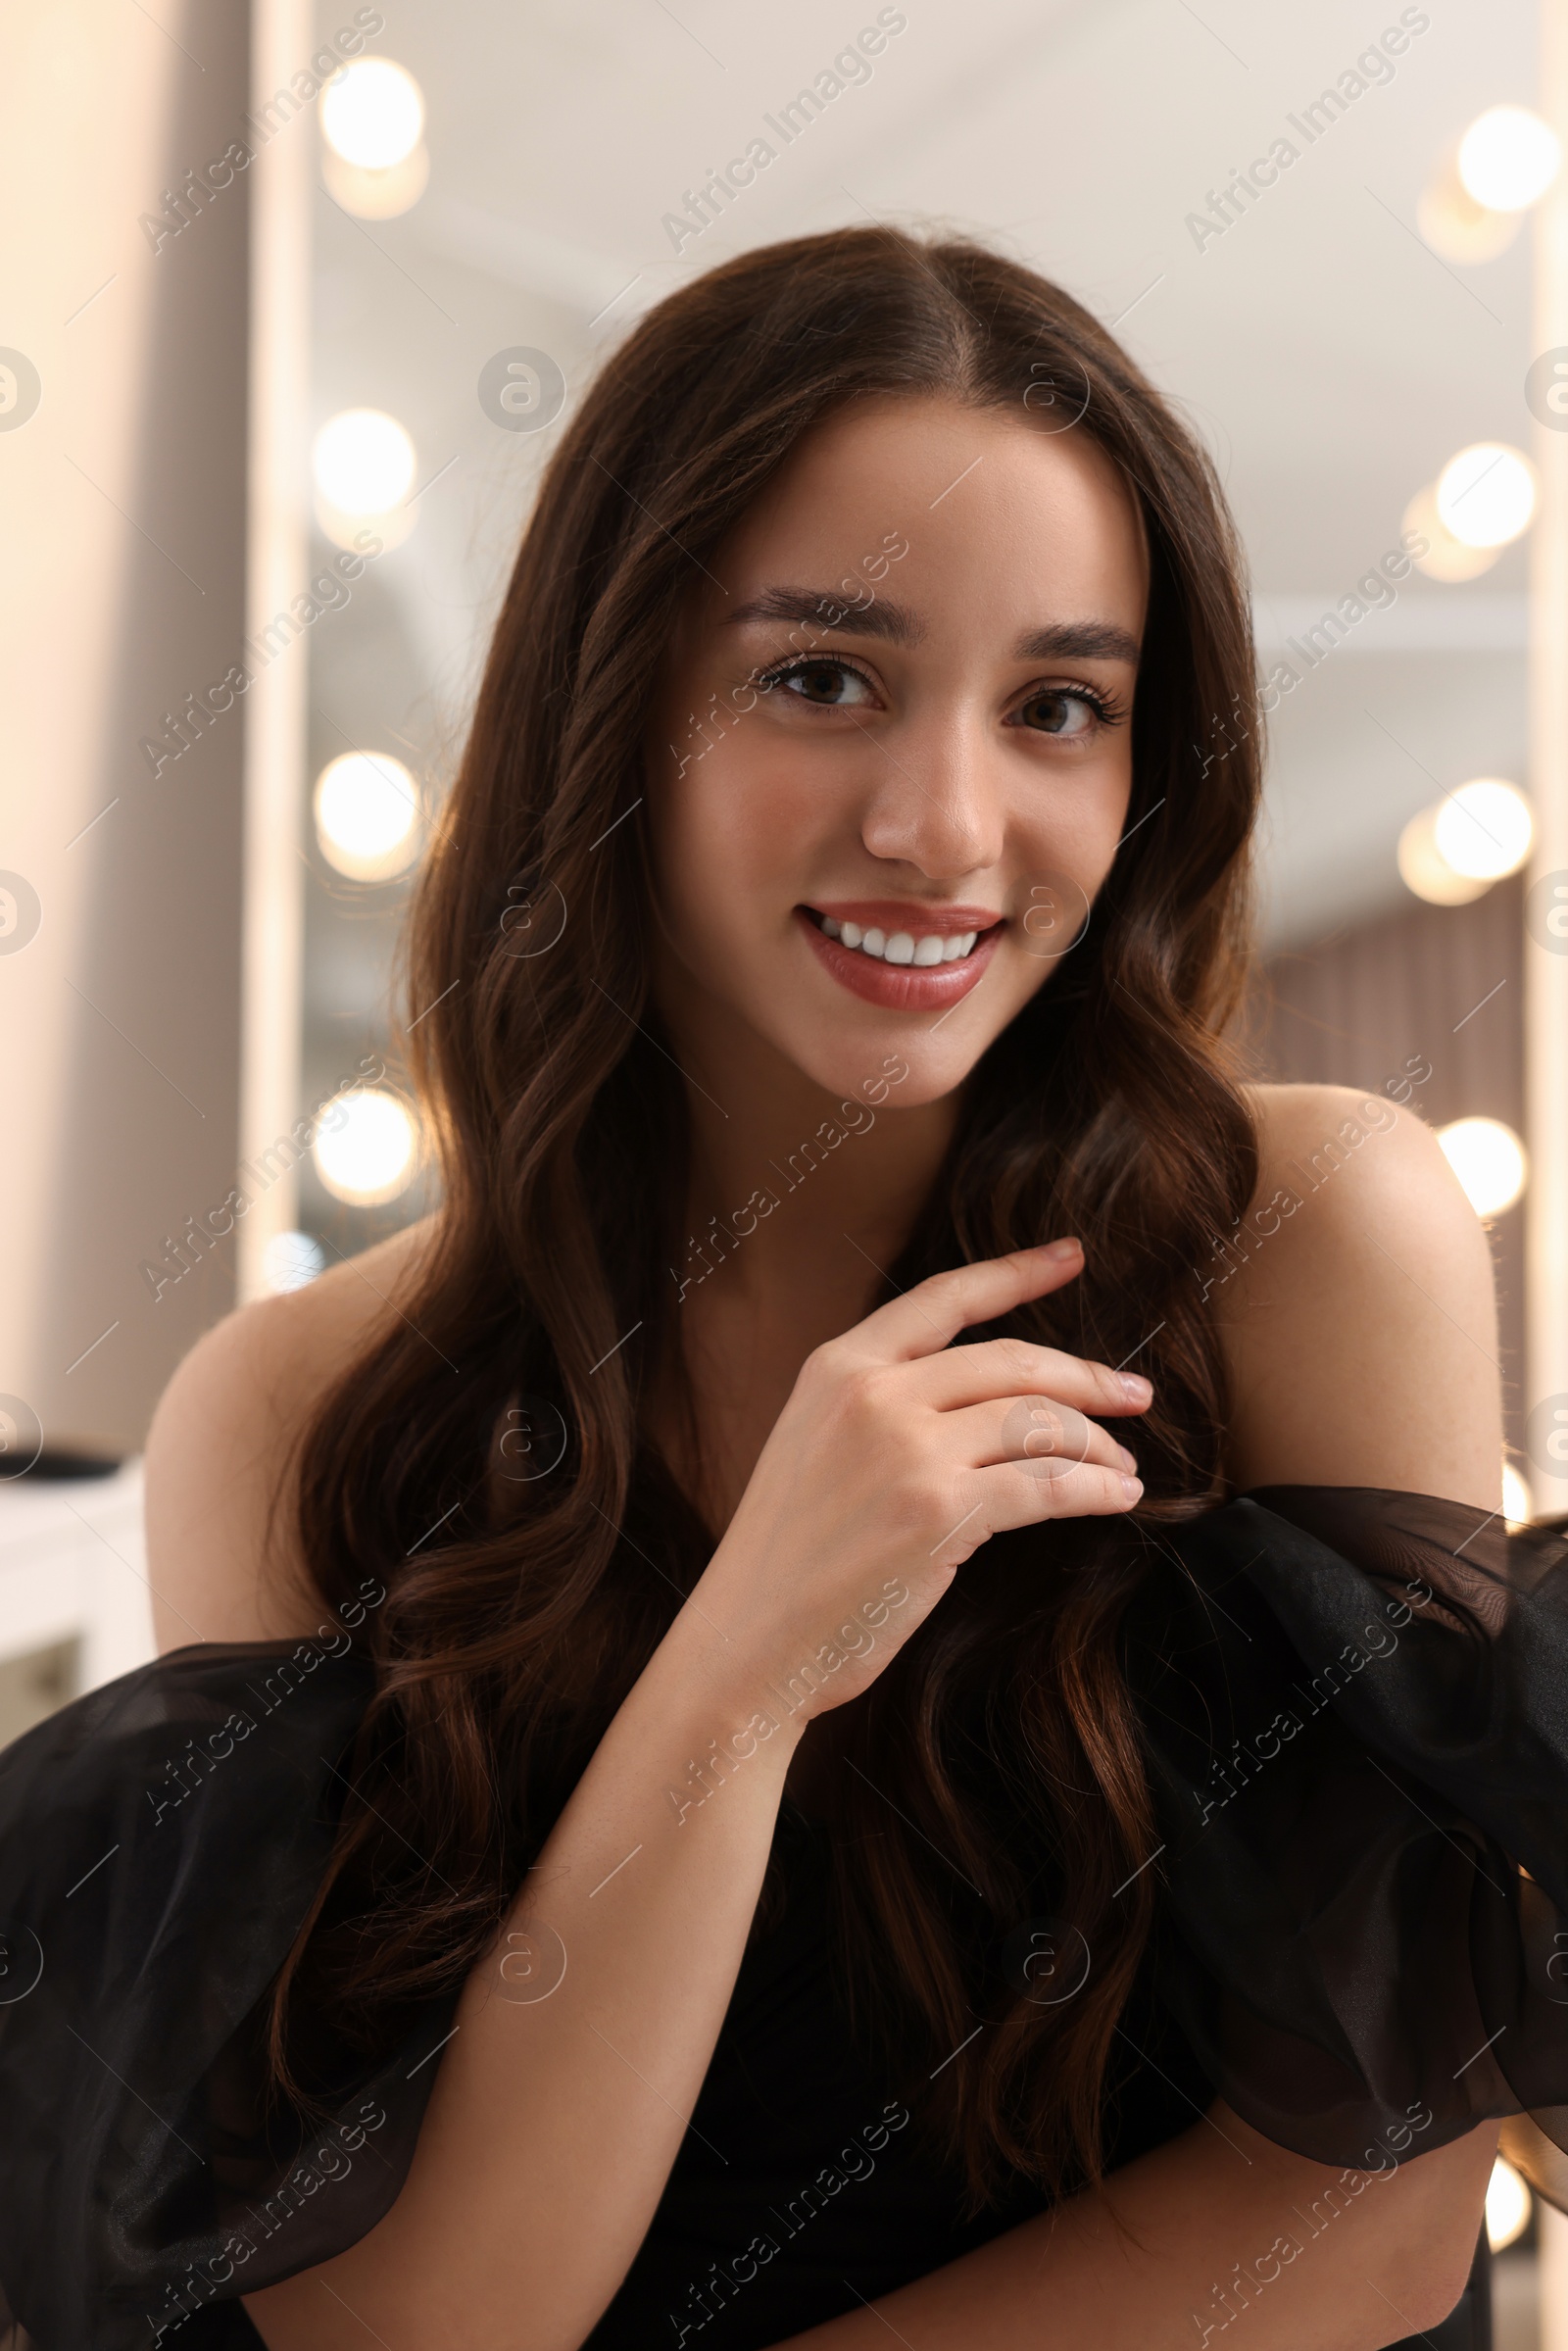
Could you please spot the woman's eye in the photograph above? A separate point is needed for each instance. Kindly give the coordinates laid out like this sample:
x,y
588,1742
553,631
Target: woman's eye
x,y
830,685
1059,713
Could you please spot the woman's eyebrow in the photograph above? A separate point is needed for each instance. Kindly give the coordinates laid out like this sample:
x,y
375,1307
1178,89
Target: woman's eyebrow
x,y
1078,640
824,608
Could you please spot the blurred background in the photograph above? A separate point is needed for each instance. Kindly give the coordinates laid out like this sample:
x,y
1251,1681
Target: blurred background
x,y
294,305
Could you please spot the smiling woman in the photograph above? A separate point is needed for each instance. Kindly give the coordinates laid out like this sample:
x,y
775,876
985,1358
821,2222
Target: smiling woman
x,y
792,1700
1020,604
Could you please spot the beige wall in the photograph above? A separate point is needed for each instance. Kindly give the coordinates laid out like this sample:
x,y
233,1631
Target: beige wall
x,y
122,501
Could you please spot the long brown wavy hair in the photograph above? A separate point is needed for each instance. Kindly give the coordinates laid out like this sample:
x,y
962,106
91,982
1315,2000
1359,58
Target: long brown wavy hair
x,y
520,1611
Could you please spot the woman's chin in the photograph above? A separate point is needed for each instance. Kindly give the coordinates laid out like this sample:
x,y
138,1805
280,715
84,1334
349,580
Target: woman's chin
x,y
895,1067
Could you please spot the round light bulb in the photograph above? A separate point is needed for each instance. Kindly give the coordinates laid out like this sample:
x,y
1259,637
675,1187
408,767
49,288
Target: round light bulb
x,y
1458,229
1444,557
1508,2206
1423,869
1486,494
1489,1159
291,1260
365,1147
383,195
372,114
1484,829
363,462
367,816
1508,157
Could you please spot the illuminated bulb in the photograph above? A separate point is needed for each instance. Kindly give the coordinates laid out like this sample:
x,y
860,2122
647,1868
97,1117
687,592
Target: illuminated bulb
x,y
1484,829
383,195
291,1260
1486,494
369,1154
1517,1506
1508,157
363,462
1454,225
1508,2206
367,816
372,114
1489,1159
373,162
1446,557
1425,869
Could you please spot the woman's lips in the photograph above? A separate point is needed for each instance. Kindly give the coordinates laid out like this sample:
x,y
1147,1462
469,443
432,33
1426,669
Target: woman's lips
x,y
900,987
907,915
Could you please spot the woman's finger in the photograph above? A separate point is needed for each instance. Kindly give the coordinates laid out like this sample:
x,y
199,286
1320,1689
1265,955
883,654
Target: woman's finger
x,y
1039,1434
1007,1495
931,1315
1000,1367
1046,1437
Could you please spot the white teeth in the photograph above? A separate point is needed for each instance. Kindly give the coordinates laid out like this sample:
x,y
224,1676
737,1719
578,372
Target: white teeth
x,y
903,947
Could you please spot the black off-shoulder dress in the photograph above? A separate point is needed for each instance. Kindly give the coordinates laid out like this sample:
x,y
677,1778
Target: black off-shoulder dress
x,y
1355,1706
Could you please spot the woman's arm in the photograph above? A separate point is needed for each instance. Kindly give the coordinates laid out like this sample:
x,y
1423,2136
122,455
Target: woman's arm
x,y
557,2109
580,2046
1216,2228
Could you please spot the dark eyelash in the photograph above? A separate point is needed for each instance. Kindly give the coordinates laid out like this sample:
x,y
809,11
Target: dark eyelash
x,y
797,662
1106,708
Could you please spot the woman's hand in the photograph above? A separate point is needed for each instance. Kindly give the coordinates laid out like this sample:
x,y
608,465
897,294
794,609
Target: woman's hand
x,y
897,1455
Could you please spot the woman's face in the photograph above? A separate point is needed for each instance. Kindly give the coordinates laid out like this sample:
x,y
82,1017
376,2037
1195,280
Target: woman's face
x,y
891,759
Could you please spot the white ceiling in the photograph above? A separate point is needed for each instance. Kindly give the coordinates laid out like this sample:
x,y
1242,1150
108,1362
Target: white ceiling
x,y
1329,360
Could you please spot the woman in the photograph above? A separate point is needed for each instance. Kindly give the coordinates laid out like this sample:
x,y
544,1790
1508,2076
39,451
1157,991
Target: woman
x,y
778,1796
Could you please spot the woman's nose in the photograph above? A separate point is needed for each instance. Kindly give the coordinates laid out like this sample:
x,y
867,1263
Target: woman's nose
x,y
935,803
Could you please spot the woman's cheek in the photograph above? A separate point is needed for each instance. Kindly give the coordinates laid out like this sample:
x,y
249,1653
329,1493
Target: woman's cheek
x,y
1075,844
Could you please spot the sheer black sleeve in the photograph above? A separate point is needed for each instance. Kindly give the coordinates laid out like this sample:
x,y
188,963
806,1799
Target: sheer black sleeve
x,y
159,1843
1355,1715
1355,1705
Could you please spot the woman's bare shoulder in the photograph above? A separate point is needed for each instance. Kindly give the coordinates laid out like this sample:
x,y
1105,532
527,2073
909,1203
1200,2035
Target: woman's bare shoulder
x,y
222,1559
1356,1305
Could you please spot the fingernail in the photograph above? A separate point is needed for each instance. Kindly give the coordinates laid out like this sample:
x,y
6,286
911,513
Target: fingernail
x,y
1063,1248
1132,1487
1131,1459
1136,1389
